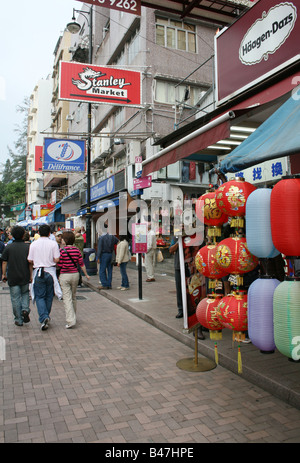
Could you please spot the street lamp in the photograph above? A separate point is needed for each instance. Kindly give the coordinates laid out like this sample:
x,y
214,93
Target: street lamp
x,y
74,27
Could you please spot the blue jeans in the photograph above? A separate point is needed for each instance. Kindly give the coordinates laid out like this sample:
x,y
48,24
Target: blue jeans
x,y
125,282
44,293
105,269
19,296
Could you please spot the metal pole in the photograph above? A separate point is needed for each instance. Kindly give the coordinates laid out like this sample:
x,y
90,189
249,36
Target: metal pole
x,y
140,270
89,128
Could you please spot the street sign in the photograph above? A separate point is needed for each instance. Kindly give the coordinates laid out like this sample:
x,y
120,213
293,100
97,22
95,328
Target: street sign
x,y
138,166
141,183
97,84
139,237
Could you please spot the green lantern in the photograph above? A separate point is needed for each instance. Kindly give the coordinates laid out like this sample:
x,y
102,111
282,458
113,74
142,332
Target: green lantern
x,y
286,315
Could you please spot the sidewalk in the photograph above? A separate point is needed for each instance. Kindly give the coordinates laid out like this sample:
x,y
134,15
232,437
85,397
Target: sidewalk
x,y
114,379
274,373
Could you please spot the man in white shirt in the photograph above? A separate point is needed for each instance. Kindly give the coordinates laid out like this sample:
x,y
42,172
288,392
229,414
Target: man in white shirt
x,y
43,256
150,256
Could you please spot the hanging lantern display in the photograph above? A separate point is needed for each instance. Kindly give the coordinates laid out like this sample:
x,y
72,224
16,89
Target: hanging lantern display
x,y
231,199
233,255
258,224
208,212
260,313
232,313
206,263
285,216
206,314
286,307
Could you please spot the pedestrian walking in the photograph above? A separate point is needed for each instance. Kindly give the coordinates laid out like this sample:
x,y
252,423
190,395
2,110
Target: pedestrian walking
x,y
70,258
105,251
150,256
79,241
2,247
43,257
58,238
122,258
174,250
18,276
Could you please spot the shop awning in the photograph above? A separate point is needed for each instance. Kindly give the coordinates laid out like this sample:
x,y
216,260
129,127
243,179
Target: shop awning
x,y
196,141
106,204
55,216
191,146
70,204
278,136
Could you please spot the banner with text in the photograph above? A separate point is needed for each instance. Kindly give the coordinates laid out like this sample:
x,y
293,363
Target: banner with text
x,y
97,84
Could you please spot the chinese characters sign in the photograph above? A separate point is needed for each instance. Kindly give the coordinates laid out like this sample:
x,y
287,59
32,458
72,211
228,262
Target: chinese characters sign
x,y
266,171
128,6
86,82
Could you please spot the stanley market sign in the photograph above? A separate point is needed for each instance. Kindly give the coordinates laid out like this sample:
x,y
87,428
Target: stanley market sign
x,y
97,84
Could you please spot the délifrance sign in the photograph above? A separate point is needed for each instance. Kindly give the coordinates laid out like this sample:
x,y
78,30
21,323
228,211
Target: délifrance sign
x,y
97,84
64,155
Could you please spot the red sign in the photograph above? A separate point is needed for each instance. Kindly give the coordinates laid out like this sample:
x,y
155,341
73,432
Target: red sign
x,y
38,159
96,84
258,45
139,238
128,6
143,182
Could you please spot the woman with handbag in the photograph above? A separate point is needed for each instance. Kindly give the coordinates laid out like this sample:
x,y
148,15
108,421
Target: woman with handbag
x,y
70,265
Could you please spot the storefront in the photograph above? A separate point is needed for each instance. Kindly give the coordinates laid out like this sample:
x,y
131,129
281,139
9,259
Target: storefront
x,y
257,70
256,123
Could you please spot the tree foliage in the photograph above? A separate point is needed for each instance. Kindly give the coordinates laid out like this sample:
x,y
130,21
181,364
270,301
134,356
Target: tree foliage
x,y
13,181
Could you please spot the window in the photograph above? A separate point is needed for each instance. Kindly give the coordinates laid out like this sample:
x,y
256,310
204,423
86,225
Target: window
x,y
176,34
119,118
129,51
166,92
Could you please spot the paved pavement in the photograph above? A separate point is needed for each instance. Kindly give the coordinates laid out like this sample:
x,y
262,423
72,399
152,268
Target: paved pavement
x,y
114,378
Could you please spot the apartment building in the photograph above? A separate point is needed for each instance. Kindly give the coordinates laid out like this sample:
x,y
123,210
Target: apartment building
x,y
174,59
39,120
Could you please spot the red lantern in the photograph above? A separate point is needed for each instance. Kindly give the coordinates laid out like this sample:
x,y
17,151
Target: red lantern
x,y
231,198
206,262
209,214
285,216
233,255
206,314
232,314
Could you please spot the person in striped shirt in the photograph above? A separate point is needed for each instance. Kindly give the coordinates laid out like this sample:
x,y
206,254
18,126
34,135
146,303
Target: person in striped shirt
x,y
70,256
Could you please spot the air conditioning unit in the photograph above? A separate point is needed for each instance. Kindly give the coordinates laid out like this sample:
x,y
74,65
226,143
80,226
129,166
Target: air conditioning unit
x,y
69,117
105,144
108,172
133,150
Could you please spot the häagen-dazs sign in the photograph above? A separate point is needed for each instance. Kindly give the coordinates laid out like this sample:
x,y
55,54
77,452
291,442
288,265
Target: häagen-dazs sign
x,y
267,34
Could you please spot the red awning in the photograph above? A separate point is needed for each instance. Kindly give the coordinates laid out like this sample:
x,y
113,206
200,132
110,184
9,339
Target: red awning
x,y
198,140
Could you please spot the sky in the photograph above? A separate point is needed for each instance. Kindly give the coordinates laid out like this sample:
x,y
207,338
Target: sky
x,y
29,32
